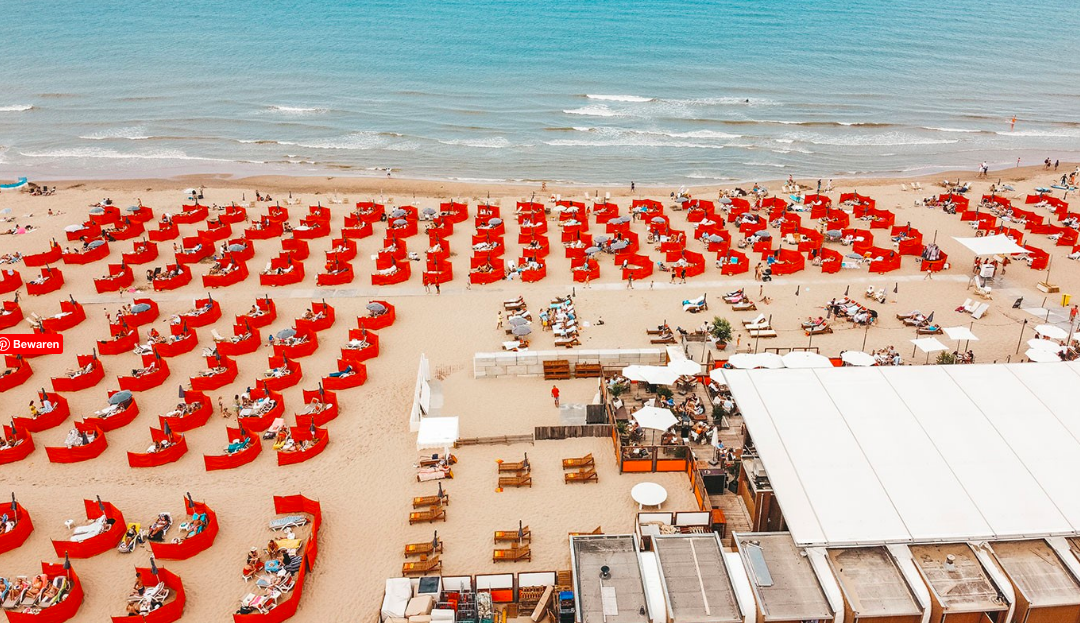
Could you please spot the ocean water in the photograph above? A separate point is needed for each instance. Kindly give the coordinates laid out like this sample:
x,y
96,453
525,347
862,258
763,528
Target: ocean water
x,y
590,91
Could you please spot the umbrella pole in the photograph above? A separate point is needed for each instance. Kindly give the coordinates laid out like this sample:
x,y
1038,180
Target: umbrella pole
x,y
1021,340
865,332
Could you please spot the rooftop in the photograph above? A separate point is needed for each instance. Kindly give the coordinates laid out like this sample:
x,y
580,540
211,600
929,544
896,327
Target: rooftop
x,y
783,580
960,582
872,583
910,454
1037,571
695,579
619,598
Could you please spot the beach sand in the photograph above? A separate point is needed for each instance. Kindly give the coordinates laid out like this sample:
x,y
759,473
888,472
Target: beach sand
x,y
365,479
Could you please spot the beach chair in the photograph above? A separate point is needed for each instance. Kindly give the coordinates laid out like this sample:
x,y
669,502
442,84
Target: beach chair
x,y
903,187
514,304
581,475
930,329
521,466
521,535
421,567
569,342
968,306
431,515
744,305
431,500
757,320
984,291
658,331
434,546
292,521
514,554
916,186
667,339
819,329
980,310
574,463
520,480
763,333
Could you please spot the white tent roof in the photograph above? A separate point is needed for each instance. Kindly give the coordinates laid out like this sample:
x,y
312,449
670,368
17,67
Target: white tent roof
x,y
992,245
918,453
960,333
655,418
1052,332
929,344
437,432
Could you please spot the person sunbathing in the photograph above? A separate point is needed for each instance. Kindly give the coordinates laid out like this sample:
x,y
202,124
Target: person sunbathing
x,y
158,528
252,565
238,445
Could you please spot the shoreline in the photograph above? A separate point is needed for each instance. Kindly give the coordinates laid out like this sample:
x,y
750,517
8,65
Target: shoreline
x,y
444,188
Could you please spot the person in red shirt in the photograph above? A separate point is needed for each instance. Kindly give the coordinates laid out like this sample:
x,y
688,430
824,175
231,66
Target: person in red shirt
x,y
555,394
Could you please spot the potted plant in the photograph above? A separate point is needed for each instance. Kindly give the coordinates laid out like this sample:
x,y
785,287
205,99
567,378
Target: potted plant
x,y
617,390
720,330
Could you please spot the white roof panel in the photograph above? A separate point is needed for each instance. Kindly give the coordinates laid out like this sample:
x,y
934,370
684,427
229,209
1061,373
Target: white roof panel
x,y
918,453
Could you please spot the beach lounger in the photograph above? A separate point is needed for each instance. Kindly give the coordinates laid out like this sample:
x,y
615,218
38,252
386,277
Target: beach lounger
x,y
759,319
582,475
968,306
435,546
744,305
514,554
985,292
431,500
514,304
520,480
433,514
762,333
292,521
668,339
421,567
931,329
518,536
521,466
568,342
657,331
819,329
980,310
584,461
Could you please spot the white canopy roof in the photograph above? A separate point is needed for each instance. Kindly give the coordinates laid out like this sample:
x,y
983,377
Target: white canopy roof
x,y
655,418
992,245
437,432
918,453
960,333
929,344
858,358
1052,332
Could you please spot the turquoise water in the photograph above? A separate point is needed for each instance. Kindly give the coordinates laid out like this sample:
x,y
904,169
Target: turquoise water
x,y
591,91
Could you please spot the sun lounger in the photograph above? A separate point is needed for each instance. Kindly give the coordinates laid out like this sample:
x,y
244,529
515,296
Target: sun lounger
x,y
433,514
431,500
517,536
744,305
762,333
567,342
421,567
582,475
514,304
514,554
930,329
424,549
292,521
520,466
819,329
584,461
985,292
668,339
759,319
521,480
980,310
656,331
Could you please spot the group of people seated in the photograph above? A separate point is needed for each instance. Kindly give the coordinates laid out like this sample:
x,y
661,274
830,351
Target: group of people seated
x,y
285,442
77,438
32,595
11,258
255,408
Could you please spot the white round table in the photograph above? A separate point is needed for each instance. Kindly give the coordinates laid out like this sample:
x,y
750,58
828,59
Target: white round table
x,y
648,494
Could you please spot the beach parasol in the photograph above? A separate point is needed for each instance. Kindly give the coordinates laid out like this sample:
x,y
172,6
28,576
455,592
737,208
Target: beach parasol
x,y
858,358
685,367
495,222
285,334
655,418
100,504
601,239
658,375
400,222
620,245
592,250
749,361
764,234
714,238
521,330
1051,332
657,220
398,213
97,210
95,244
73,228
138,308
120,397
236,248
517,320
1047,345
429,211
165,429
622,220
725,200
804,359
153,566
1042,356
376,308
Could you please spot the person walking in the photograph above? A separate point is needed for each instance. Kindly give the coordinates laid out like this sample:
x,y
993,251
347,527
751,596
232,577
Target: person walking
x,y
632,186
555,394
682,275
1073,311
629,282
499,322
438,290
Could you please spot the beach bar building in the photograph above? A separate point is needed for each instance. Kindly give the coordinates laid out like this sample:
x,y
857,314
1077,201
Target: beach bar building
x,y
696,583
873,587
961,588
785,585
608,580
1046,591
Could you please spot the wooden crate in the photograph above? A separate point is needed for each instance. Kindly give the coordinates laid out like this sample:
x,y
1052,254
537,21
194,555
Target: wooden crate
x,y
556,370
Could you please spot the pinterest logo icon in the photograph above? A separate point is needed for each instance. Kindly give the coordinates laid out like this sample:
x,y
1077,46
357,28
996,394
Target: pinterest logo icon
x,y
5,344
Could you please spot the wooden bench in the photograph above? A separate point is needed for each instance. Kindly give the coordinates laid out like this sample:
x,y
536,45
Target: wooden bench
x,y
588,371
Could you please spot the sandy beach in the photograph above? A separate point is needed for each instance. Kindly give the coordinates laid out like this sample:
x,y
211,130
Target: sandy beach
x,y
365,479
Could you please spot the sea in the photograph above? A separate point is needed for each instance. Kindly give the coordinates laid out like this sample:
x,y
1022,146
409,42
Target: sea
x,y
668,92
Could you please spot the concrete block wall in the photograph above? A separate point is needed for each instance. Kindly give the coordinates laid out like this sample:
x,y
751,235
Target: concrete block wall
x,y
531,363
